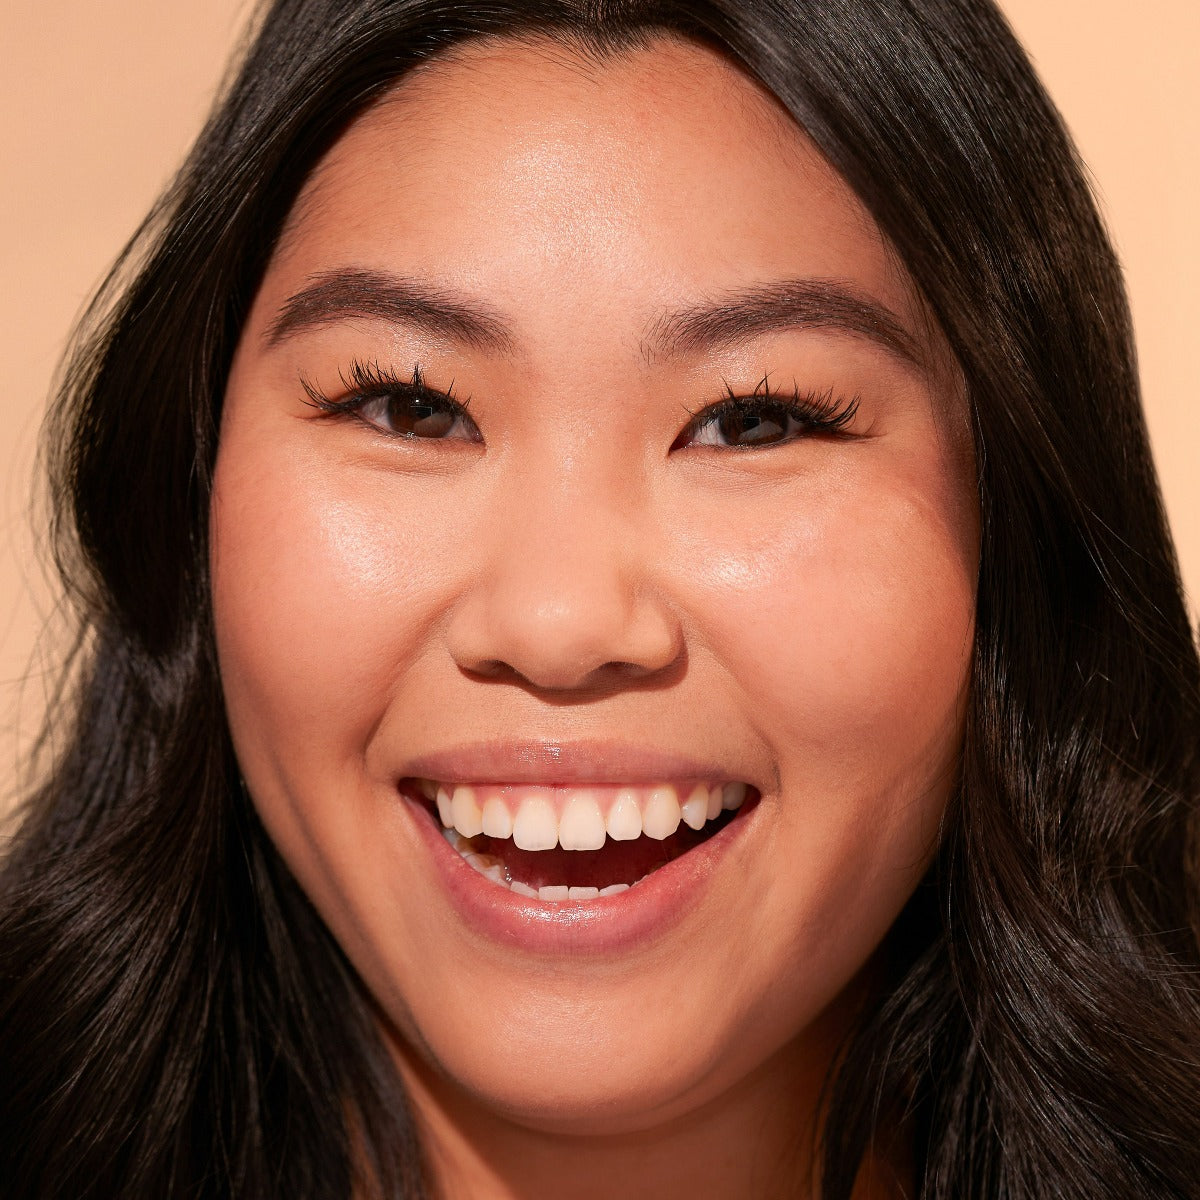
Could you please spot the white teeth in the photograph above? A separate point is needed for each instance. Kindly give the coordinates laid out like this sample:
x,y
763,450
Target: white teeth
x,y
661,816
497,820
714,803
625,817
694,809
445,811
581,827
655,813
536,826
468,820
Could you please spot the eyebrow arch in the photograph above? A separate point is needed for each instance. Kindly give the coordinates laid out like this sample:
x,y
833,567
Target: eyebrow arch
x,y
333,296
778,308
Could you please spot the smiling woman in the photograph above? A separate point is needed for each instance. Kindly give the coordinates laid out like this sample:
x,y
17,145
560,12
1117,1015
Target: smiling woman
x,y
612,664
630,452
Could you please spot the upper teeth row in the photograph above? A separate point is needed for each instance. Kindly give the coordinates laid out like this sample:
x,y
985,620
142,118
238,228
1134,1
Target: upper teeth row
x,y
540,818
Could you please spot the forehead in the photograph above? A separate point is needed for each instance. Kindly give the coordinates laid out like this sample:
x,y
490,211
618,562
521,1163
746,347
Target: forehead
x,y
637,177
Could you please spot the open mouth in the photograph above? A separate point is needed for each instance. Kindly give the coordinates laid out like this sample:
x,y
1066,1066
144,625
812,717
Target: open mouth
x,y
577,843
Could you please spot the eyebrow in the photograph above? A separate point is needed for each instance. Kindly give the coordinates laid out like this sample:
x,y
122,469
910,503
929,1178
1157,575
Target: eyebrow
x,y
780,308
333,296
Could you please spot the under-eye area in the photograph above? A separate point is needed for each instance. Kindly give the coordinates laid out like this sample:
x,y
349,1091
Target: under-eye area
x,y
561,844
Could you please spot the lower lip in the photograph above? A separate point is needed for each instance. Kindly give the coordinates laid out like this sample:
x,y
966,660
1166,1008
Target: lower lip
x,y
604,925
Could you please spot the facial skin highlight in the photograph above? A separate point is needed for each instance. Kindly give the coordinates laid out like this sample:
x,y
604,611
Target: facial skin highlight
x,y
587,253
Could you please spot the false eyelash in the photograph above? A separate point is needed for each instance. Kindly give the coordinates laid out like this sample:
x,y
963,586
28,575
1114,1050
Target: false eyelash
x,y
822,412
368,381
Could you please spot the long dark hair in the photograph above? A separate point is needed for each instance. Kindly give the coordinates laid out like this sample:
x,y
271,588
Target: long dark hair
x,y
175,1020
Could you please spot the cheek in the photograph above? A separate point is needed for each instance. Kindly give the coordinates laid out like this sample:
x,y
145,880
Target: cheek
x,y
324,584
846,619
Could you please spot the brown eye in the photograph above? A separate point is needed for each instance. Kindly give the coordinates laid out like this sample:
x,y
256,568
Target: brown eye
x,y
747,422
743,424
401,408
421,417
754,426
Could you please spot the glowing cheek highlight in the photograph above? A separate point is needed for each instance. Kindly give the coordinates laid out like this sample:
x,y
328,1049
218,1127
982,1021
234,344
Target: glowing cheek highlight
x,y
835,621
321,592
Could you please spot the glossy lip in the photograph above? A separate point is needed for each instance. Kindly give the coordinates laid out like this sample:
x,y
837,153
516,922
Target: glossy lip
x,y
603,926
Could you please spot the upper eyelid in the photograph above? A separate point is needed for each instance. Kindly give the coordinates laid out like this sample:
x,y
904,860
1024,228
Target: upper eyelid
x,y
370,376
764,390
826,406
367,384
369,380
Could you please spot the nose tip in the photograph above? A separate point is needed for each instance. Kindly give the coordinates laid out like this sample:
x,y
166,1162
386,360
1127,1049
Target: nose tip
x,y
564,623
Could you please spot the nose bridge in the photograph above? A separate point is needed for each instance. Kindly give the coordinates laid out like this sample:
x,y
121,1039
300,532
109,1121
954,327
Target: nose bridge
x,y
567,586
580,509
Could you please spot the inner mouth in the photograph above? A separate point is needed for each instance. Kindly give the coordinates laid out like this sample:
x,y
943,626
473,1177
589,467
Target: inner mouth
x,y
557,873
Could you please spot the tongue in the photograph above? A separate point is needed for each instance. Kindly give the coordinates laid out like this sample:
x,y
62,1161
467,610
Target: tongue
x,y
614,862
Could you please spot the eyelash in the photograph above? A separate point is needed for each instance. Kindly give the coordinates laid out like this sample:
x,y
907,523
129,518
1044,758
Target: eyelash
x,y
367,382
820,413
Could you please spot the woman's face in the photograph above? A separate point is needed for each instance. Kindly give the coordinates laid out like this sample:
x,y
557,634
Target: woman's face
x,y
592,597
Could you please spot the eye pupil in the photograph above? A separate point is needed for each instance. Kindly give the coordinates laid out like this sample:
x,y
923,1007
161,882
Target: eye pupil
x,y
419,418
766,423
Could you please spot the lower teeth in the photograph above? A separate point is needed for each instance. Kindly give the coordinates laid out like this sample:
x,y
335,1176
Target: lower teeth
x,y
495,870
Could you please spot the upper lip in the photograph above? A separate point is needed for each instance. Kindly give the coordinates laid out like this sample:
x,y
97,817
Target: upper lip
x,y
562,762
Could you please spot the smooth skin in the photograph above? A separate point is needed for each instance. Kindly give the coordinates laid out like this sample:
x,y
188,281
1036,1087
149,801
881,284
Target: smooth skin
x,y
565,565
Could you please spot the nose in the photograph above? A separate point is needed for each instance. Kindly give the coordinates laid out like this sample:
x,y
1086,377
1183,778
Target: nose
x,y
566,597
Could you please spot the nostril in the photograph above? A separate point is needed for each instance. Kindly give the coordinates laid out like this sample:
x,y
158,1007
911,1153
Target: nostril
x,y
589,682
491,668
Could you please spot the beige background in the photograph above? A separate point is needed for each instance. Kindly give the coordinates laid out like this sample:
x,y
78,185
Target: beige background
x,y
101,97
